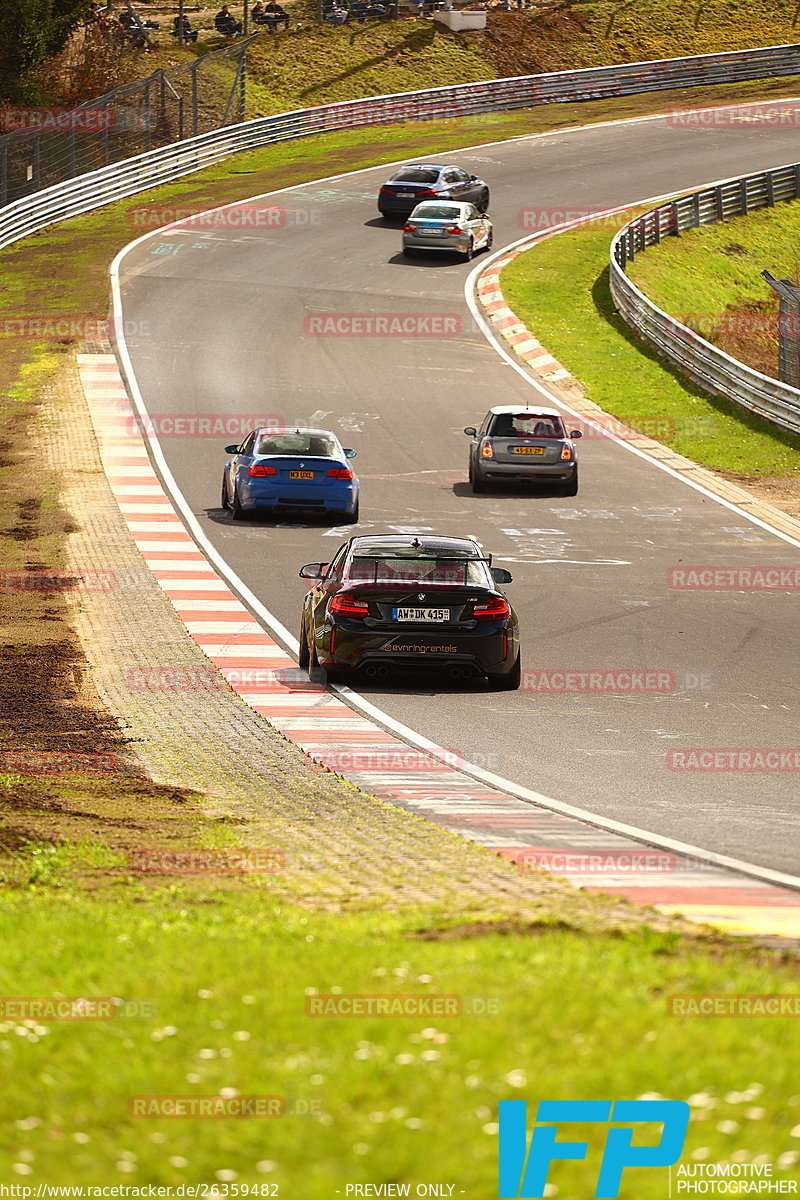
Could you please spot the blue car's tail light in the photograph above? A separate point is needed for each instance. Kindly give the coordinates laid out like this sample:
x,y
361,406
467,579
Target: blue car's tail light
x,y
258,470
339,473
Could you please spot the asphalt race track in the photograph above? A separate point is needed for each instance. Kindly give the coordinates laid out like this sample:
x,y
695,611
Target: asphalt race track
x,y
214,322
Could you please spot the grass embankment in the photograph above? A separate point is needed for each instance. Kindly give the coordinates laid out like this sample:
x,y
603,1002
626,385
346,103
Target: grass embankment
x,y
227,964
560,290
310,64
710,279
228,975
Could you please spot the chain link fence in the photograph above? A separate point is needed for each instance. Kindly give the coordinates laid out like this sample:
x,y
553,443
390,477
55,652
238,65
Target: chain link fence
x,y
51,146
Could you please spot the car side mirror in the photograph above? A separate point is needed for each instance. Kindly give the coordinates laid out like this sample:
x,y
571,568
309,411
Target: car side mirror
x,y
500,575
313,570
575,433
231,449
473,178
471,431
349,453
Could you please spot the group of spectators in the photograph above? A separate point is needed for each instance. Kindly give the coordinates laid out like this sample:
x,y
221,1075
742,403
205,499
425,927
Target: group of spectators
x,y
341,12
126,26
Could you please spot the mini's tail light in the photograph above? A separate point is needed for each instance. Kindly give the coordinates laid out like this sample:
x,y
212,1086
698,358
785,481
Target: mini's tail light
x,y
494,609
259,470
486,449
339,473
566,452
347,606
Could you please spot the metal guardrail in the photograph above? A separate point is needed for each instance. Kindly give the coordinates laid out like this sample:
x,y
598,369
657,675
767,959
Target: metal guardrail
x,y
712,368
115,181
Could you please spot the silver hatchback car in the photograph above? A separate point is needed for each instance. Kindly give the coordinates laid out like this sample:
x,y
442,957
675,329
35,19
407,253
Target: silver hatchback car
x,y
516,444
447,225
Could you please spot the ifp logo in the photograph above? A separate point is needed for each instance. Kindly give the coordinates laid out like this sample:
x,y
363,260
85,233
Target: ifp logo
x,y
524,1170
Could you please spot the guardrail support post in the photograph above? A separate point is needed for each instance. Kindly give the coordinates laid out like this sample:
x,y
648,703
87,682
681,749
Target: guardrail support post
x,y
770,190
719,202
743,197
696,210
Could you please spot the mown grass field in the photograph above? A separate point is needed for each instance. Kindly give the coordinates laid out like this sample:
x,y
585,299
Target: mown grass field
x,y
223,979
711,279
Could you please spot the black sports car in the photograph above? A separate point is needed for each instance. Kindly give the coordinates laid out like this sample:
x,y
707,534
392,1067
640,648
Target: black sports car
x,y
406,601
412,184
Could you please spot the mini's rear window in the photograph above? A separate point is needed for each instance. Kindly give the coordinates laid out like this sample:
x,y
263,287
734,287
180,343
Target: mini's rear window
x,y
315,445
526,425
415,175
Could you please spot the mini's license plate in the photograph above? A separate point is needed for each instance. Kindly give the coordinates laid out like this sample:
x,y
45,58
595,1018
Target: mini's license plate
x,y
301,474
527,449
421,614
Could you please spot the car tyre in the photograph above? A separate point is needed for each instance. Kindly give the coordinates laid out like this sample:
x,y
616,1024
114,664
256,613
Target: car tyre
x,y
484,202
489,240
237,512
303,658
510,681
316,673
407,251
225,502
352,517
477,485
469,252
571,488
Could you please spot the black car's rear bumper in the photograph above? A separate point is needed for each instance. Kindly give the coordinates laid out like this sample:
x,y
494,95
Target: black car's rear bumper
x,y
489,650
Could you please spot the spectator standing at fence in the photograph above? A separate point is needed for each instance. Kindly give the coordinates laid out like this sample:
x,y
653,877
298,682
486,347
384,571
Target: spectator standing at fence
x,y
226,24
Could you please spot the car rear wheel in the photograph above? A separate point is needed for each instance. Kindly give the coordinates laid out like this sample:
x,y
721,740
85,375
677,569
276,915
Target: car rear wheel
x,y
476,484
351,518
571,488
489,240
484,201
407,251
510,681
315,672
237,512
225,502
470,250
303,657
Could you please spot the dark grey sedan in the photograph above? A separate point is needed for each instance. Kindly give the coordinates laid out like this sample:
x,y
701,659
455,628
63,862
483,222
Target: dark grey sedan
x,y
412,184
523,445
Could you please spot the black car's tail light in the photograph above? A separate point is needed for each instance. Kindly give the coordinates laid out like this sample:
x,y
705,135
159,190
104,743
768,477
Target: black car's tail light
x,y
385,191
339,473
494,609
258,470
343,605
427,192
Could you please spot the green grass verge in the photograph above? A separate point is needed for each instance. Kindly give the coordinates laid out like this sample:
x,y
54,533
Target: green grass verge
x,y
405,1099
560,290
